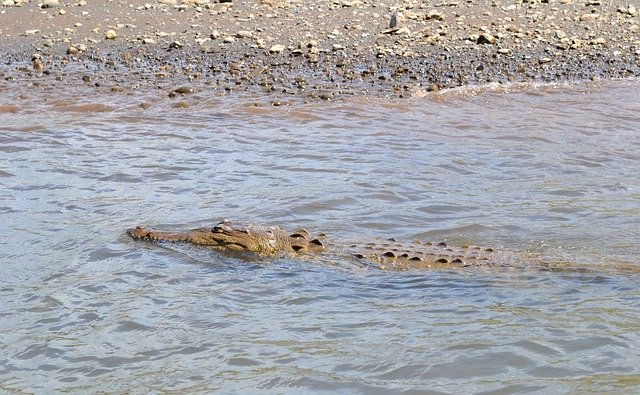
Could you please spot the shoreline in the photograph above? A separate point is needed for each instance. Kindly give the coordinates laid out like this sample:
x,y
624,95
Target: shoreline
x,y
288,50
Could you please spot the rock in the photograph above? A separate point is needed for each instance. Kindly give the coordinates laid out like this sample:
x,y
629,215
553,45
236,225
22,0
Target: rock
x,y
277,48
433,88
244,34
37,64
215,35
50,3
403,31
72,50
148,41
8,3
435,15
228,40
631,10
337,47
185,90
410,15
486,38
111,34
181,104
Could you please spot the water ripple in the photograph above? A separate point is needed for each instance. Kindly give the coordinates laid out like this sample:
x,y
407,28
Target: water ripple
x,y
553,172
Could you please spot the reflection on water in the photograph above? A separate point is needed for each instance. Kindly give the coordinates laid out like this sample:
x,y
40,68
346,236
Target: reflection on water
x,y
552,171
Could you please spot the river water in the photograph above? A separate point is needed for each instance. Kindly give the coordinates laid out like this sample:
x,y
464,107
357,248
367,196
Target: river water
x,y
548,170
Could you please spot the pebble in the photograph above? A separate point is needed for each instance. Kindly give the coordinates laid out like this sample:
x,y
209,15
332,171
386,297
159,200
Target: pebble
x,y
50,3
37,64
184,90
181,104
486,38
111,34
403,31
244,34
277,48
435,15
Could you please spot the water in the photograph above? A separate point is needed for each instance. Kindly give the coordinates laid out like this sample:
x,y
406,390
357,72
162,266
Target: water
x,y
547,170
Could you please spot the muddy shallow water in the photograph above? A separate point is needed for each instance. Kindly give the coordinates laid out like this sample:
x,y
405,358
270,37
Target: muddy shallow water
x,y
548,170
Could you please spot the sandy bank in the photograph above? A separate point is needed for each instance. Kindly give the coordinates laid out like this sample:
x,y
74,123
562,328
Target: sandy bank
x,y
319,49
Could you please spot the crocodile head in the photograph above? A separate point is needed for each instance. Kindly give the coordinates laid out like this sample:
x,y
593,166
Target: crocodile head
x,y
231,236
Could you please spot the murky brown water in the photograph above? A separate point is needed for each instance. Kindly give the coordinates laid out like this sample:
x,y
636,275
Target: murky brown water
x,y
552,170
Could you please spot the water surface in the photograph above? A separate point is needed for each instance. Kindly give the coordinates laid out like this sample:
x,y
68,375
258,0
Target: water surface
x,y
549,170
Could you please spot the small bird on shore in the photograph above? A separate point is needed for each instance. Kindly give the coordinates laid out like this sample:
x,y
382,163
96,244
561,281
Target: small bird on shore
x,y
393,25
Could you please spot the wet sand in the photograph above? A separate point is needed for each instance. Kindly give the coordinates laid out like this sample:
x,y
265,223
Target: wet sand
x,y
313,50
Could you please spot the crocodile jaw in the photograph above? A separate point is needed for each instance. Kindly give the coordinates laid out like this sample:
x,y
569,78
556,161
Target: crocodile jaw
x,y
202,237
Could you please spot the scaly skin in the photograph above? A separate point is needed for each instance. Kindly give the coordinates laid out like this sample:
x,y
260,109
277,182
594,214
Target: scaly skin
x,y
385,254
229,236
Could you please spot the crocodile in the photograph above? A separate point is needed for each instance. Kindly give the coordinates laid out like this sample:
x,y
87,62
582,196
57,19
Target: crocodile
x,y
387,254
